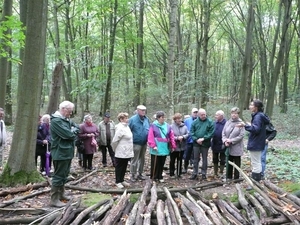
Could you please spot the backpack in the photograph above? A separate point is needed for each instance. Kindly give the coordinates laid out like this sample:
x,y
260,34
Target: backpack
x,y
79,145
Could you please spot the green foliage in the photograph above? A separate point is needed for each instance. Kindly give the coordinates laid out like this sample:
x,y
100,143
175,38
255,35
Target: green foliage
x,y
284,164
90,199
290,186
14,39
21,177
134,198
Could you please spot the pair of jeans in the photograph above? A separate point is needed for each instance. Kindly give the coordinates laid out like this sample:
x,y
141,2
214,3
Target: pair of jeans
x,y
264,160
188,154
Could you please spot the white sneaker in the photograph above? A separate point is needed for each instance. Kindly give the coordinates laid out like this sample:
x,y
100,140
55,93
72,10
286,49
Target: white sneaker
x,y
161,180
119,185
125,184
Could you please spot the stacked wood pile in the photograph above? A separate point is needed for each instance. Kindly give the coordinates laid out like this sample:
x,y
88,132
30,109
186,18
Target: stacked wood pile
x,y
265,204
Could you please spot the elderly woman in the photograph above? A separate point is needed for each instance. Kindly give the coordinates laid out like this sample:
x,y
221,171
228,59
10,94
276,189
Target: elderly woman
x,y
42,143
160,136
88,134
181,134
122,145
232,137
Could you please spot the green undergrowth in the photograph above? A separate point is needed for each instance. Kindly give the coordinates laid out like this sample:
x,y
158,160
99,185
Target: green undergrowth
x,y
90,199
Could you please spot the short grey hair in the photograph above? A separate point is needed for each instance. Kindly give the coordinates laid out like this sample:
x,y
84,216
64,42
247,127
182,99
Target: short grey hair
x,y
66,105
235,109
160,114
220,112
44,117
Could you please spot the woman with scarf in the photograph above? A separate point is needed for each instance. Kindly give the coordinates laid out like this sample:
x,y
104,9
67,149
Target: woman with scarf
x,y
88,134
161,142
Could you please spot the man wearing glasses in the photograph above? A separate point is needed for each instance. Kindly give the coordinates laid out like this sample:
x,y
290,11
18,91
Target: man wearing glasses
x,y
63,132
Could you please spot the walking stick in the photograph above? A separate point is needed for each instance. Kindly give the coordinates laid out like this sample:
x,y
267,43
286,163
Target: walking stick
x,y
47,162
227,164
154,167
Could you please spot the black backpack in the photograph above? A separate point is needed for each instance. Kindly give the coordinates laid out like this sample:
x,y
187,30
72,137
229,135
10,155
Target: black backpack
x,y
79,145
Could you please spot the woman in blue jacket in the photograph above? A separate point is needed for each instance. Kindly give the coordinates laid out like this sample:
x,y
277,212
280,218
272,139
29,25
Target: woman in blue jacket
x,y
257,136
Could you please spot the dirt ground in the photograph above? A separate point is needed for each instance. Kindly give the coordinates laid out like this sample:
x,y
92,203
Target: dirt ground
x,y
104,178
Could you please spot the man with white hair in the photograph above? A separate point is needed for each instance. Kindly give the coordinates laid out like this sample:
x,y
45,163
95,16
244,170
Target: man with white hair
x,y
2,135
139,125
202,130
63,133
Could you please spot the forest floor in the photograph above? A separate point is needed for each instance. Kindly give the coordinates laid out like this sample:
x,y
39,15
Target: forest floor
x,y
104,178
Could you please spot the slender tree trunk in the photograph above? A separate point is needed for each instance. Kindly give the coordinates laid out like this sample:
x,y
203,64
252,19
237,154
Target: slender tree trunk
x,y
22,154
6,11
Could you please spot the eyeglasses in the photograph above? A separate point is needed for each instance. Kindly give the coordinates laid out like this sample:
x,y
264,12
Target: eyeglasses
x,y
195,112
69,110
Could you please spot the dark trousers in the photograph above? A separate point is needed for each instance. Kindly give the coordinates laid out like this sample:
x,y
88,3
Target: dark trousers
x,y
43,161
61,172
176,156
237,161
120,169
104,149
188,154
157,166
219,157
87,161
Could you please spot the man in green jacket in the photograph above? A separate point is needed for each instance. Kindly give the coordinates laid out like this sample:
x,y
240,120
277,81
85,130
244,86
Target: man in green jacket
x,y
63,133
202,130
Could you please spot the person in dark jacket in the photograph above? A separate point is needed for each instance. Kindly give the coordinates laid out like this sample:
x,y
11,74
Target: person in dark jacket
x,y
43,143
257,136
270,135
88,134
139,125
63,133
202,130
217,145
188,152
181,133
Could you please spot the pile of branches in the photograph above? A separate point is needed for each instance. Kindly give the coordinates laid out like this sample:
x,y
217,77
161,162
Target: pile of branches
x,y
265,204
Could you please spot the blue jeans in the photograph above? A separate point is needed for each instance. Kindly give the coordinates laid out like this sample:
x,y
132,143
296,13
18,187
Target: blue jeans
x,y
264,160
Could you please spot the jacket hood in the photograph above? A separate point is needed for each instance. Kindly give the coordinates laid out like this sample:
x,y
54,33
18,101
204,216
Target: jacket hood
x,y
265,118
56,115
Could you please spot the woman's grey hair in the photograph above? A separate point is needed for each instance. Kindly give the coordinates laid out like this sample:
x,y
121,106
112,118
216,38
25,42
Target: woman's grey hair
x,y
45,117
88,116
160,114
235,109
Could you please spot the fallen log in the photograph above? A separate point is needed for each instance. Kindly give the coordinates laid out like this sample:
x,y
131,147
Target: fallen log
x,y
17,199
206,209
125,213
188,214
20,211
253,218
151,205
258,206
171,213
167,214
99,213
88,210
160,215
83,178
115,213
176,210
26,188
216,211
225,213
142,205
280,191
282,219
131,218
198,195
270,210
18,220
198,213
65,215
233,212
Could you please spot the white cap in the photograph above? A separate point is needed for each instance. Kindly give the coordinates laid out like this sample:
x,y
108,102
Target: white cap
x,y
195,110
141,107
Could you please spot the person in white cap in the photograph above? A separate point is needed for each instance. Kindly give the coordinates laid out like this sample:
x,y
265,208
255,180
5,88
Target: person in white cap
x,y
139,125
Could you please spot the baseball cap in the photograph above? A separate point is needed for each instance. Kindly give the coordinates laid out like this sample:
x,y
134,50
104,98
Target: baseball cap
x,y
107,115
141,107
194,110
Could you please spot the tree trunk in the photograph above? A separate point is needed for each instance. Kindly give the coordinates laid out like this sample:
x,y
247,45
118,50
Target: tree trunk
x,y
21,157
7,11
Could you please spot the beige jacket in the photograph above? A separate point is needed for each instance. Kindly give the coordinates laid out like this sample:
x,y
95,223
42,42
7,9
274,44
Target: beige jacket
x,y
122,142
102,131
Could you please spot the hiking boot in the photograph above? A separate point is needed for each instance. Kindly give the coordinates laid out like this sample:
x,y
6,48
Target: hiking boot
x,y
204,177
193,177
141,177
55,197
132,178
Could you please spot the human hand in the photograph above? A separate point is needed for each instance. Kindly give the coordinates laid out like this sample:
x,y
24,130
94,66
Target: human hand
x,y
155,148
180,138
200,140
241,124
45,142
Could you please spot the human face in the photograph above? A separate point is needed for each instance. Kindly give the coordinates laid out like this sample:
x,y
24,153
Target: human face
x,y
141,112
252,107
194,114
234,115
178,121
124,120
68,111
218,117
161,119
202,115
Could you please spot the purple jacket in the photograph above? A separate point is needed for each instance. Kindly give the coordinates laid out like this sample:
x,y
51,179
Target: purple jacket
x,y
84,131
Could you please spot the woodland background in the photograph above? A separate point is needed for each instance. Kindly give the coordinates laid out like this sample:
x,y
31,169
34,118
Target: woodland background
x,y
115,54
